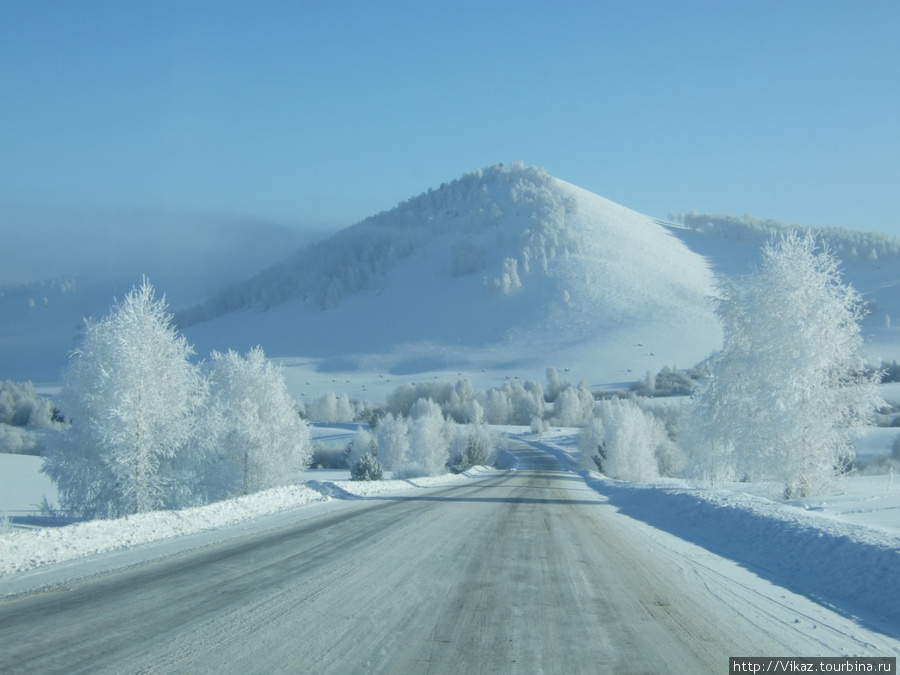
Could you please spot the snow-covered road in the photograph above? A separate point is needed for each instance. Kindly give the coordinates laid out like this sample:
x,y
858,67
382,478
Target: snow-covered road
x,y
526,571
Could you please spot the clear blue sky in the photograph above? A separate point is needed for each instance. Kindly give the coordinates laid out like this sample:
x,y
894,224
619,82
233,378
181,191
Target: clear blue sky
x,y
311,113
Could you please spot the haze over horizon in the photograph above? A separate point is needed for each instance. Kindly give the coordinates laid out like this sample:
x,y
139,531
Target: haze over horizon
x,y
307,114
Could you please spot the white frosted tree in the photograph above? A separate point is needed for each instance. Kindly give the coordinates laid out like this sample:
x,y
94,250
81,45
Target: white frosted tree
x,y
262,442
790,387
470,445
331,407
573,406
429,442
392,439
497,407
627,440
362,457
591,448
134,400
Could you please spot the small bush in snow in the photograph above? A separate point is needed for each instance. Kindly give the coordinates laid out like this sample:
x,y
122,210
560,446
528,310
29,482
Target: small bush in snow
x,y
473,445
366,467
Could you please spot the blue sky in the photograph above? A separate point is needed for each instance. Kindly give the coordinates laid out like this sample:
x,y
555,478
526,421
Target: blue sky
x,y
323,113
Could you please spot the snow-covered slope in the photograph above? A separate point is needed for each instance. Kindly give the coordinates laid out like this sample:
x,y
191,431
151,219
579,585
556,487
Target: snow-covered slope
x,y
870,262
506,269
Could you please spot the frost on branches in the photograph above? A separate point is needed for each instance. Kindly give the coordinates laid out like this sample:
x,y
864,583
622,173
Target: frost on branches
x,y
133,398
150,431
623,442
261,441
790,387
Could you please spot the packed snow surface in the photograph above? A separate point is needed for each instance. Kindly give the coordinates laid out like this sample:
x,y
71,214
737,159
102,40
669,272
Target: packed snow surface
x,y
809,544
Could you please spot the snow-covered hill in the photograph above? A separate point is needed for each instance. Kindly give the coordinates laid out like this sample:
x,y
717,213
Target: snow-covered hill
x,y
501,273
506,270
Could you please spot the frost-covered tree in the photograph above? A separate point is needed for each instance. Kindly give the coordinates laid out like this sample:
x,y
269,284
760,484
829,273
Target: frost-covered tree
x,y
592,451
471,445
497,407
362,442
429,442
134,400
262,442
529,402
16,440
553,383
463,405
366,467
21,406
392,439
362,457
630,441
538,425
790,386
331,407
573,406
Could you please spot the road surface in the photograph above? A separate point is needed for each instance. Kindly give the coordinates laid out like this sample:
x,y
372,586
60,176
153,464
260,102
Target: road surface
x,y
524,572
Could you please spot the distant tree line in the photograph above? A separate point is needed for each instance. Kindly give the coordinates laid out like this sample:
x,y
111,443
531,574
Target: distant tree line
x,y
849,245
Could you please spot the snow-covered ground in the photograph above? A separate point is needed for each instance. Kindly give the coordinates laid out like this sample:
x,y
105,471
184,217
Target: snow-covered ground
x,y
25,546
23,487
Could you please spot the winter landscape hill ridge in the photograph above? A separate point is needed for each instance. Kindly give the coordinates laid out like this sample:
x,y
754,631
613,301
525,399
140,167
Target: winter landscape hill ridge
x,y
505,269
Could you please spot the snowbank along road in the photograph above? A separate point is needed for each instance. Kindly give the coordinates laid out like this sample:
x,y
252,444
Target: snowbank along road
x,y
523,572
